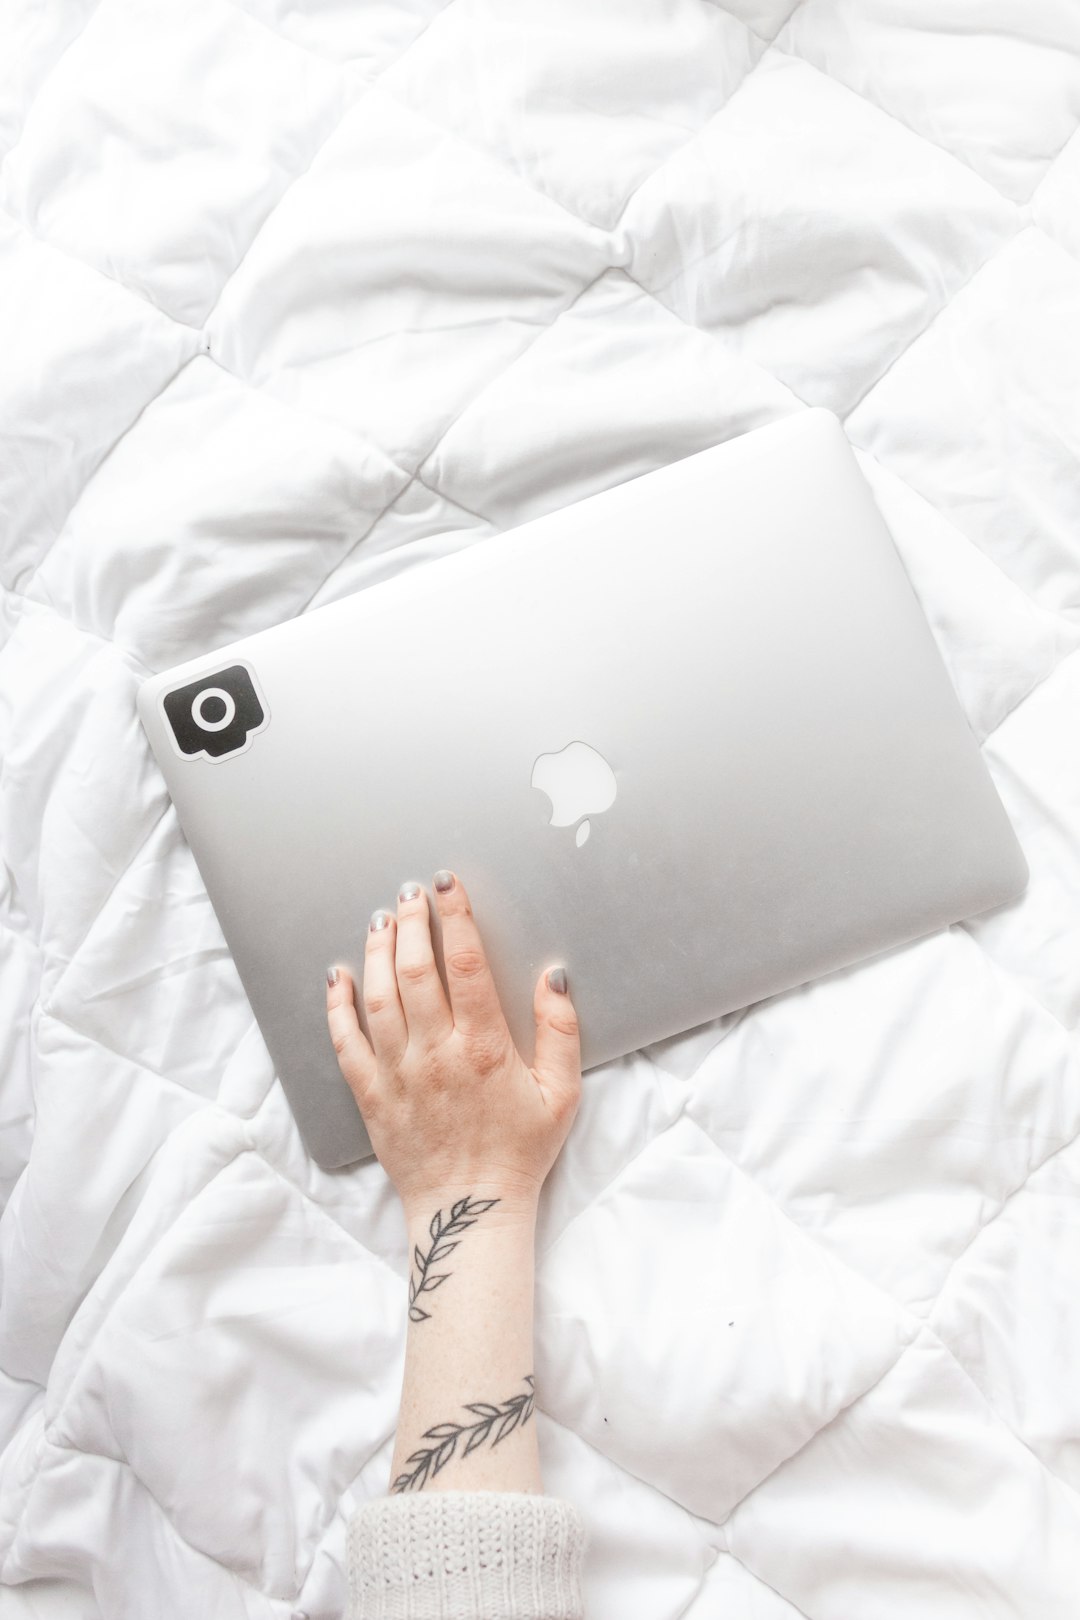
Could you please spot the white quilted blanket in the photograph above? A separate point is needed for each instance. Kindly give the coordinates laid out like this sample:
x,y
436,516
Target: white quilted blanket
x,y
295,295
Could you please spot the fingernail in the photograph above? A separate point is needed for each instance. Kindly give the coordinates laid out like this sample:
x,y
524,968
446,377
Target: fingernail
x,y
408,891
331,976
379,919
557,980
443,880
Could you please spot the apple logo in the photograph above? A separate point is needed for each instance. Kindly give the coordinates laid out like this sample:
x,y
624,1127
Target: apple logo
x,y
579,782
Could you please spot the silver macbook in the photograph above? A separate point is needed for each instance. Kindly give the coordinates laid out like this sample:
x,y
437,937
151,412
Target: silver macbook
x,y
690,737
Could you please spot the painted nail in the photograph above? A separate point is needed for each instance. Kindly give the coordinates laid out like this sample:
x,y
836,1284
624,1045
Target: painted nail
x,y
379,919
443,880
408,891
331,976
557,980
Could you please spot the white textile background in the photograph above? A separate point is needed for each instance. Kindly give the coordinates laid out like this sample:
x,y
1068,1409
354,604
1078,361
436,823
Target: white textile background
x,y
293,296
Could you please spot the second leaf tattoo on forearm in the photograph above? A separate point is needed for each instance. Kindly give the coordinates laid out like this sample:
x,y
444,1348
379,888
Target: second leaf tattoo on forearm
x,y
462,1215
430,1459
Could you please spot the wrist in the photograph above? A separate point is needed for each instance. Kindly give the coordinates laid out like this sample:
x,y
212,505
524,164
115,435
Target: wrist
x,y
490,1204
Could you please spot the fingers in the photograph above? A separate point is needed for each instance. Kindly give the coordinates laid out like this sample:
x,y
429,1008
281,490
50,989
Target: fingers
x,y
382,1004
474,1000
427,1012
558,1040
354,1054
403,995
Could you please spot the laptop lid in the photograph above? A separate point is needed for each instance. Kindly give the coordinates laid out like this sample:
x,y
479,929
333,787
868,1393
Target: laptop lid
x,y
690,737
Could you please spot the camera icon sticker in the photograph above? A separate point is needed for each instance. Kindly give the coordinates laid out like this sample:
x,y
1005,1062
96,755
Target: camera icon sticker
x,y
216,716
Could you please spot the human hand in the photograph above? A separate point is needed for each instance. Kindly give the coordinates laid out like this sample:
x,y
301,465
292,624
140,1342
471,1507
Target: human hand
x,y
448,1101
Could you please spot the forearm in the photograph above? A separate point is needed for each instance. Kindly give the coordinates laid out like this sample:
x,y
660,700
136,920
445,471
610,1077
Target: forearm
x,y
466,1420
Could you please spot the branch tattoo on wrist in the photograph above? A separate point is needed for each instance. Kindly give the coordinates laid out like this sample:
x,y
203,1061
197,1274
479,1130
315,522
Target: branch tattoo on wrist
x,y
430,1280
427,1463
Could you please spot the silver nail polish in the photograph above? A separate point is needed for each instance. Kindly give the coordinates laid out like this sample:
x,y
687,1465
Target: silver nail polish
x,y
331,976
557,980
379,919
443,880
408,891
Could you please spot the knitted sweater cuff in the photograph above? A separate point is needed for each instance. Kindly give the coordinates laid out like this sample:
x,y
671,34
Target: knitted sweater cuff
x,y
463,1555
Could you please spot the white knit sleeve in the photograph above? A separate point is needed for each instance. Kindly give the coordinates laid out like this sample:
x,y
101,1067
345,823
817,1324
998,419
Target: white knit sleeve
x,y
466,1555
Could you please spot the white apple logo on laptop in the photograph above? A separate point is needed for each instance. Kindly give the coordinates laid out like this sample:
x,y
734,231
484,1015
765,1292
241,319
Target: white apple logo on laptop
x,y
579,782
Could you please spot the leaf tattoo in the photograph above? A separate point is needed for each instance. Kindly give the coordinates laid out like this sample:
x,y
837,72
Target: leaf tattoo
x,y
430,1280
517,1410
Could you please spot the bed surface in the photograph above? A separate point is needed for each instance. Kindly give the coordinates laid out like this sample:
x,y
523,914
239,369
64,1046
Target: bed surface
x,y
293,298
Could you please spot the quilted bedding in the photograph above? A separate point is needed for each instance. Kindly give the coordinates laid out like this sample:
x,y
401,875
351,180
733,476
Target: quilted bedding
x,y
292,297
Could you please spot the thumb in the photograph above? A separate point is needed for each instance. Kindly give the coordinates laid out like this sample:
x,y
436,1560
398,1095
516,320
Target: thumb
x,y
558,1040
